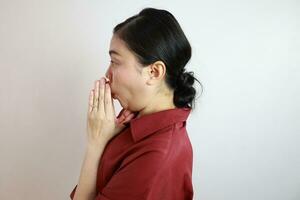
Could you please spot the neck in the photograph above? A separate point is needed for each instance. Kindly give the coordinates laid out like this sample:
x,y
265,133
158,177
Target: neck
x,y
160,103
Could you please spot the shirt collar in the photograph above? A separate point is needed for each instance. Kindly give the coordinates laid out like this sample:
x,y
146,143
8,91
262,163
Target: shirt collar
x,y
150,123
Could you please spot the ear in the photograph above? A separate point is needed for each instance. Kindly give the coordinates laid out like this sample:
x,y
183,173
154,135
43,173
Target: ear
x,y
156,72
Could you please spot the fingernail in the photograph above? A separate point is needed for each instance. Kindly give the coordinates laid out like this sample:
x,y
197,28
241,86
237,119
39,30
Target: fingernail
x,y
106,80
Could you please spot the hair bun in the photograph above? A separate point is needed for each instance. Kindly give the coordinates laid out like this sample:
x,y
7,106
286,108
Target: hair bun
x,y
184,92
185,79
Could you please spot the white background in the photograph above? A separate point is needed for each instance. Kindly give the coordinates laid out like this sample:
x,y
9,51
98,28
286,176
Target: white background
x,y
245,130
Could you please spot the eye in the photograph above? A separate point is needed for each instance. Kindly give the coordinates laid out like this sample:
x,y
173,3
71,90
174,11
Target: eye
x,y
112,62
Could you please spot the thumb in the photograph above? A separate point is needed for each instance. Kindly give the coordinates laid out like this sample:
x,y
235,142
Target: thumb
x,y
123,120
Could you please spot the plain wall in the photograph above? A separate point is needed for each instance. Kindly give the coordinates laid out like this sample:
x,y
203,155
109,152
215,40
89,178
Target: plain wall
x,y
245,130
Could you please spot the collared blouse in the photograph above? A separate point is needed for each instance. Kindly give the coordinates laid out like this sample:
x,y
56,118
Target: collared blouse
x,y
150,159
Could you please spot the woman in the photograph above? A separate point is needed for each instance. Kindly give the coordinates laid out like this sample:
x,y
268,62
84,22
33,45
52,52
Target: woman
x,y
144,153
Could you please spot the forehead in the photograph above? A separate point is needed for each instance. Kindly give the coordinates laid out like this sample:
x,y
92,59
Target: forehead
x,y
118,47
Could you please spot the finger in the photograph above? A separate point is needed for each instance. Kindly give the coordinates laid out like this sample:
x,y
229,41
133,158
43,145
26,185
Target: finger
x,y
91,99
101,96
114,111
96,95
109,110
121,119
128,118
112,101
121,113
127,112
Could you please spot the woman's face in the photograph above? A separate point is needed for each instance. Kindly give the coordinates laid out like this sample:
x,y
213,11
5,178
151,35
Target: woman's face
x,y
127,77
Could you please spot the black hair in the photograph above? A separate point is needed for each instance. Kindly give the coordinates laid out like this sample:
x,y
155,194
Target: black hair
x,y
155,35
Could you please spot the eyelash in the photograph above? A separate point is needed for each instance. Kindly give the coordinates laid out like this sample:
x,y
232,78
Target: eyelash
x,y
112,62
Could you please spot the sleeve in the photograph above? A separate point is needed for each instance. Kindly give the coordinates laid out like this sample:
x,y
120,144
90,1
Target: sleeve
x,y
72,194
135,178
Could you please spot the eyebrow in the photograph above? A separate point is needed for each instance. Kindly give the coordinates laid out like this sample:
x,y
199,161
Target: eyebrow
x,y
114,52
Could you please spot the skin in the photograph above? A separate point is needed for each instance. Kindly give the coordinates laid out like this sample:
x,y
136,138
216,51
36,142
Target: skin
x,y
140,91
102,125
137,88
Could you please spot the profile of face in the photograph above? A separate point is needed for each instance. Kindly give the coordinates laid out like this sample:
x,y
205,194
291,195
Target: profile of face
x,y
129,81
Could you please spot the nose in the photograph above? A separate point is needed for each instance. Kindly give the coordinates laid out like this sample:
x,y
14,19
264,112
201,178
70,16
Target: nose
x,y
108,74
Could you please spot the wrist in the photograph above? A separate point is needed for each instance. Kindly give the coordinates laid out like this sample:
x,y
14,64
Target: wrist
x,y
95,148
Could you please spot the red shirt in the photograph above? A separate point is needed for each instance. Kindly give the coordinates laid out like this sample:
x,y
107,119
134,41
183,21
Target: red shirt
x,y
150,159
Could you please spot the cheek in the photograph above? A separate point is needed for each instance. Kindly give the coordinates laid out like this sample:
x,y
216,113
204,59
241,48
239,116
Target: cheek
x,y
118,79
122,79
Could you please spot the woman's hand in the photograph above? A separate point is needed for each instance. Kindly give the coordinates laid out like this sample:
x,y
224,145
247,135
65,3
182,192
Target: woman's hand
x,y
102,123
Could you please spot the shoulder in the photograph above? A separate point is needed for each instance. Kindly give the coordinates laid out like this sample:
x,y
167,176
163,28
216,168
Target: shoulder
x,y
152,149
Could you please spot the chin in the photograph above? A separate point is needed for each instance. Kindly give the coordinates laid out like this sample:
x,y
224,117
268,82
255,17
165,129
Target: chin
x,y
114,96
